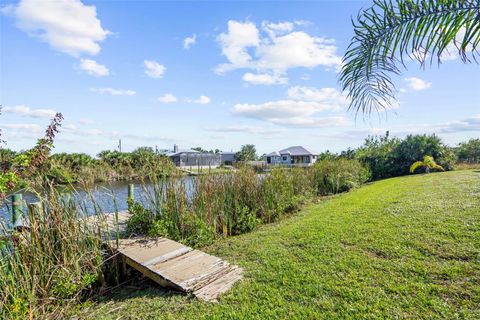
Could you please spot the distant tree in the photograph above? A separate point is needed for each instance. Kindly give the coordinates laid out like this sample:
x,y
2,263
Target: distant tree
x,y
200,149
469,151
246,153
348,154
326,155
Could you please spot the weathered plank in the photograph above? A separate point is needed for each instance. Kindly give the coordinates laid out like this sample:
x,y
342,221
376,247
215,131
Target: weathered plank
x,y
212,290
172,264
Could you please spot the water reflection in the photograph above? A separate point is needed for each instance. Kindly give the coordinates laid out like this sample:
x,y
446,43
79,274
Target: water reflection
x,y
108,197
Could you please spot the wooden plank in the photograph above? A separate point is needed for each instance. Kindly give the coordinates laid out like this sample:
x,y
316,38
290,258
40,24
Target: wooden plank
x,y
192,269
168,256
214,289
170,263
145,251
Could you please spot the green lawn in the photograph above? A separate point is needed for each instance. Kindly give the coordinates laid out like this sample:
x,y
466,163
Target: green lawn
x,y
400,248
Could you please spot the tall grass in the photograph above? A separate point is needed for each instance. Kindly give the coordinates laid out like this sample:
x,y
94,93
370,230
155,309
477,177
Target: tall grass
x,y
212,206
60,258
53,263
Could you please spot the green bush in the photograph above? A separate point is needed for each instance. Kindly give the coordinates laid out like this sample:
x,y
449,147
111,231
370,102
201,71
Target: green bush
x,y
140,220
390,157
339,175
469,152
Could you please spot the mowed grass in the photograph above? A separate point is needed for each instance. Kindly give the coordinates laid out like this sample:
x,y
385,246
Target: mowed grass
x,y
400,248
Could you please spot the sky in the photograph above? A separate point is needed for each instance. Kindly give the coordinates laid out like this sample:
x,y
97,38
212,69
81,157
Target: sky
x,y
215,74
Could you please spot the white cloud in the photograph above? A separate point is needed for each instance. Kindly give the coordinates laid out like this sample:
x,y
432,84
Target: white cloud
x,y
417,84
245,129
67,26
301,109
330,96
22,127
153,69
281,109
93,68
264,78
471,124
28,112
113,92
314,122
281,49
202,100
298,49
188,42
275,29
168,98
85,121
463,125
235,42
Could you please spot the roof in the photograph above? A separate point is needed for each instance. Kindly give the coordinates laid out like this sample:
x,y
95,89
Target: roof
x,y
273,154
172,153
296,151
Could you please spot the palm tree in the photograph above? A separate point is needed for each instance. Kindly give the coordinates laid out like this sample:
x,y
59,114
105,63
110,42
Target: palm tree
x,y
390,32
427,163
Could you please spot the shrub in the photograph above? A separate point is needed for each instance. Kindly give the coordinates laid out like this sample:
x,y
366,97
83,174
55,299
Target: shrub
x,y
469,152
389,157
339,175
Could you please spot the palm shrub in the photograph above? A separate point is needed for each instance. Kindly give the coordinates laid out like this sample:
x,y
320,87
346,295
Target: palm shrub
x,y
427,163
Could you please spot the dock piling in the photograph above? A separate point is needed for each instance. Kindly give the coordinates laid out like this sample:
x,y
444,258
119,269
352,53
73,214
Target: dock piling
x,y
17,210
131,192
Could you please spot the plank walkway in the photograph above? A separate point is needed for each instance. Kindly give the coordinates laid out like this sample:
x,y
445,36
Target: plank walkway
x,y
171,264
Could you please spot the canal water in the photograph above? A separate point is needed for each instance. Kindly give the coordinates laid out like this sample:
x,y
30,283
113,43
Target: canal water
x,y
108,197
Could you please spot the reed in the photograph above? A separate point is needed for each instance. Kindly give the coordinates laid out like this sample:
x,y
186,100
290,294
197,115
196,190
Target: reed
x,y
50,264
195,212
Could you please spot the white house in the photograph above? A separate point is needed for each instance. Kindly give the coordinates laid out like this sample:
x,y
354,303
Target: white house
x,y
297,156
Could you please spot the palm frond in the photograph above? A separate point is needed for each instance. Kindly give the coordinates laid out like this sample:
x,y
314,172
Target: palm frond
x,y
388,33
428,162
416,165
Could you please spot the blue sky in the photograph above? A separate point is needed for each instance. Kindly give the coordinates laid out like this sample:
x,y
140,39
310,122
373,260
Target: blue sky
x,y
206,73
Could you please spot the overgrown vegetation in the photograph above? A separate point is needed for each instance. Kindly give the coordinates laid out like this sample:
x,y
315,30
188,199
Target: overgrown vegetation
x,y
214,206
401,248
66,168
388,156
52,263
468,152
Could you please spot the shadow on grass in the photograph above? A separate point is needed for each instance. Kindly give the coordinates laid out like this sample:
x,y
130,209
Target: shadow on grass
x,y
136,286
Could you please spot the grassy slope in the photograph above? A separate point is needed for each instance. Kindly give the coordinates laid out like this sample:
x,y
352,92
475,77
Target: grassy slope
x,y
400,248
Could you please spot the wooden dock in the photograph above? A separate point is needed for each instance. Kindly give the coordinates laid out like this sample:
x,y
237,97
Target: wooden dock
x,y
173,265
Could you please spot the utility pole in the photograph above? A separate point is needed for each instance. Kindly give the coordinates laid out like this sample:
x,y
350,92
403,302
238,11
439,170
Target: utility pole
x,y
120,145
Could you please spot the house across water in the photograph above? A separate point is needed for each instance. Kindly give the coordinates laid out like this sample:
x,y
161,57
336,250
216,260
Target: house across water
x,y
297,156
194,159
